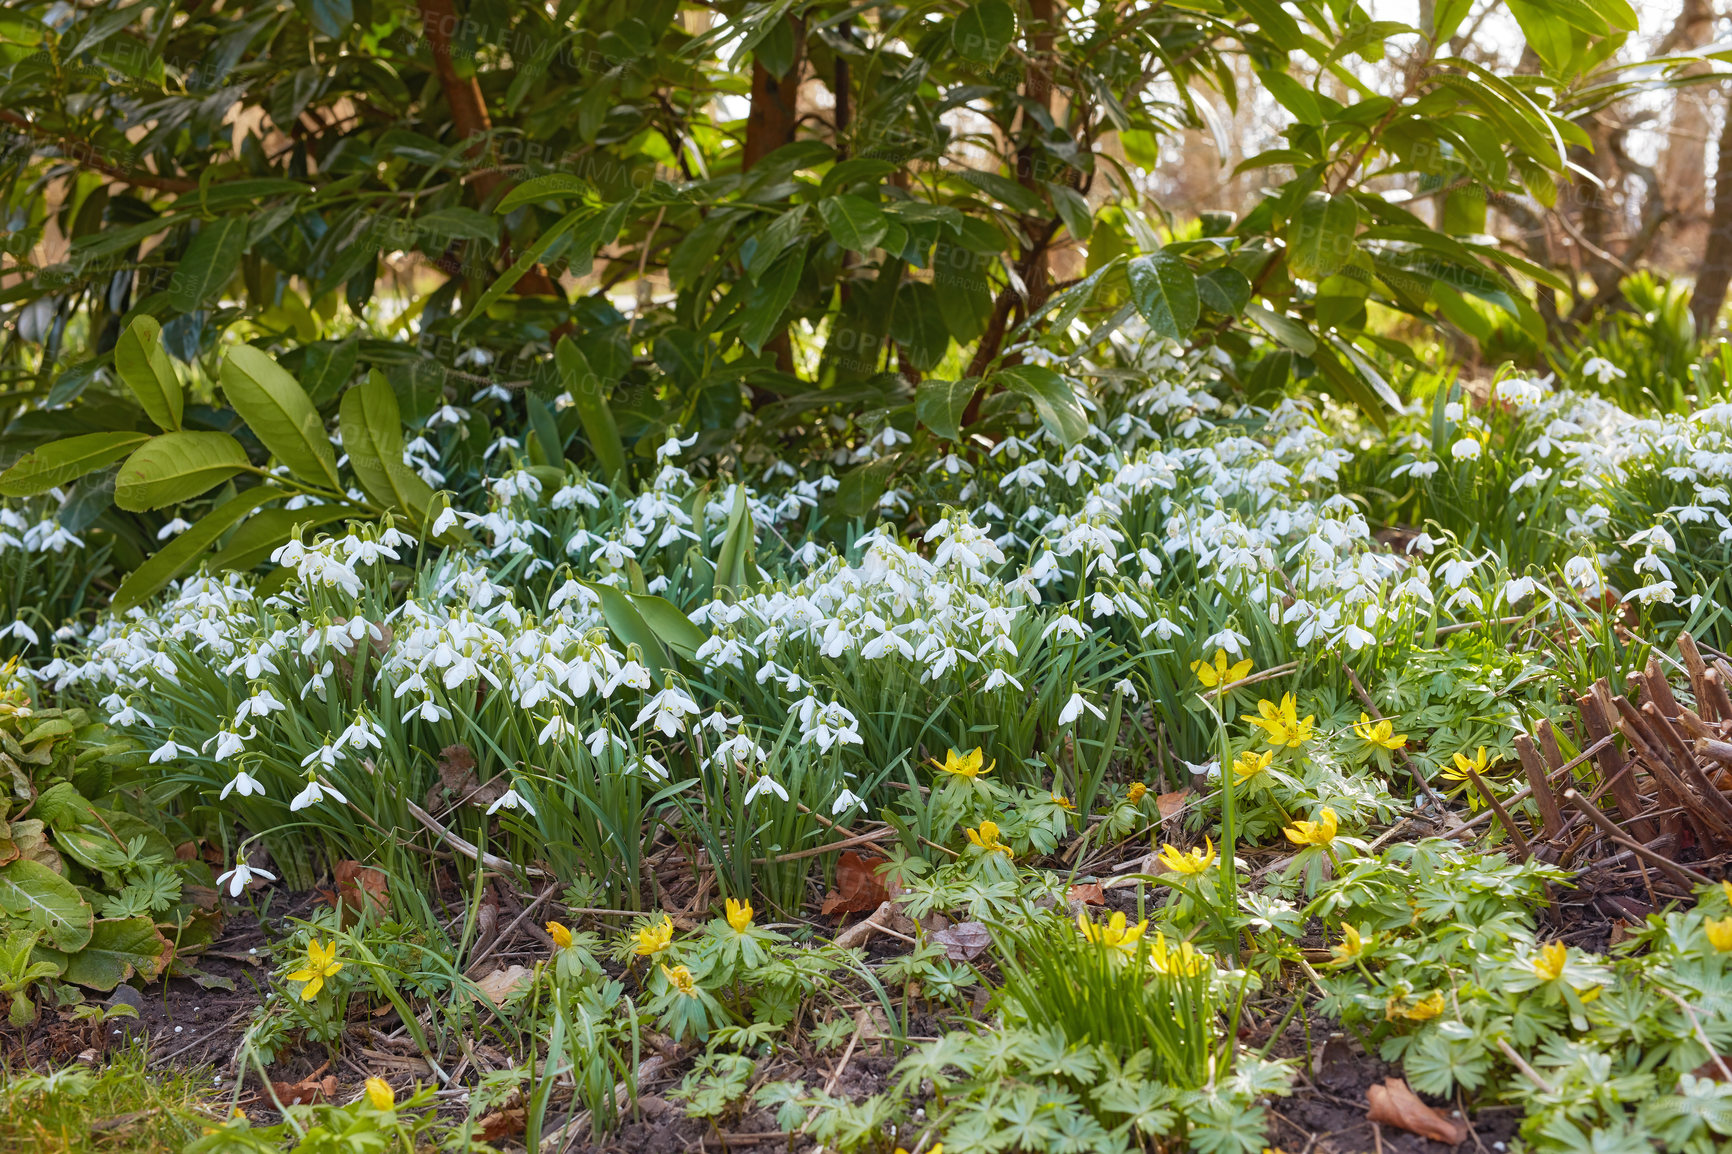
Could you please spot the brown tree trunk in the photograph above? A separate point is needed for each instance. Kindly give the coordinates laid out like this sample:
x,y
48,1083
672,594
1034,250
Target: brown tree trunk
x,y
774,114
439,20
1037,87
1716,267
770,124
1683,164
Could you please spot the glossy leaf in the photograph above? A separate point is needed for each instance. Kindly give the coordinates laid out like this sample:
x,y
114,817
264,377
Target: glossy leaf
x,y
280,414
176,467
183,552
144,367
61,462
1165,292
373,438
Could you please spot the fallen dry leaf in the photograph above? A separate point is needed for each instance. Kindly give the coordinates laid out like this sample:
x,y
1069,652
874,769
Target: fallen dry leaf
x,y
360,888
307,1091
502,983
1088,893
1170,803
501,1124
458,783
1393,1104
858,888
962,942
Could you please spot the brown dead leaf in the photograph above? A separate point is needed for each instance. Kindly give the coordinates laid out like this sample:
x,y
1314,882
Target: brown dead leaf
x,y
501,1124
307,1091
1393,1104
360,888
858,888
962,942
458,783
1088,893
502,983
1170,803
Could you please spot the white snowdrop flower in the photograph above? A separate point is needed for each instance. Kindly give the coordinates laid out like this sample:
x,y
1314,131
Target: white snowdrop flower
x,y
739,750
667,711
1664,591
1165,629
558,728
1356,637
1602,371
168,751
1422,543
1231,640
443,523
244,784
1123,685
174,528
765,784
844,802
326,755
239,877
430,710
229,742
1457,570
1584,574
719,722
999,678
130,716
1518,589
1453,411
314,794
1075,706
674,446
511,799
362,733
1466,449
1654,538
1065,623
262,703
1533,478
650,767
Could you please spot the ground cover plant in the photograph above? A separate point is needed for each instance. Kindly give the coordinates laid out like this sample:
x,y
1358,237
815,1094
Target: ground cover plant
x,y
585,577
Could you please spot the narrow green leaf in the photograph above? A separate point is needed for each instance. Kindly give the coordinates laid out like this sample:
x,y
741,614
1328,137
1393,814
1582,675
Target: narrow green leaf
x,y
280,414
733,560
507,280
179,554
553,186
60,462
144,366
589,396
176,467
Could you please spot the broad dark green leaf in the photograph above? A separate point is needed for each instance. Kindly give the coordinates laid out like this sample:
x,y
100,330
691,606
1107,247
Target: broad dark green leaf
x,y
1055,400
176,467
1320,237
209,263
769,299
280,414
983,31
373,438
1224,289
854,222
143,365
1284,329
917,325
63,461
939,405
1165,292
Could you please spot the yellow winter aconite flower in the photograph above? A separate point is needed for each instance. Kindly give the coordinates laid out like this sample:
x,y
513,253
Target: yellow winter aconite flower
x,y
1463,765
1423,1010
1549,962
1113,932
654,938
560,935
1220,673
380,1094
1281,724
1188,862
1062,801
1182,960
963,764
1352,945
321,963
1319,832
739,915
1251,763
1136,792
681,979
1719,933
986,837
1379,733
937,1148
